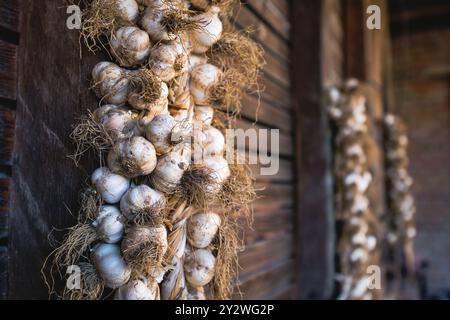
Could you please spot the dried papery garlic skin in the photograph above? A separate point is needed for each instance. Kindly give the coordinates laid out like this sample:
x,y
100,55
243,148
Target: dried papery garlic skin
x,y
199,266
154,108
168,60
140,199
111,266
109,224
130,46
209,30
137,290
110,83
202,228
109,185
220,171
164,132
132,157
203,78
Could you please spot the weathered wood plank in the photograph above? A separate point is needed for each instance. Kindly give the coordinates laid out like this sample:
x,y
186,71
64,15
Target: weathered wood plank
x,y
5,187
268,224
284,175
8,70
7,122
9,14
3,272
270,13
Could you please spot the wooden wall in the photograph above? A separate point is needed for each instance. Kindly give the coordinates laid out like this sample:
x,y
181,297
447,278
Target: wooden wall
x,y
53,89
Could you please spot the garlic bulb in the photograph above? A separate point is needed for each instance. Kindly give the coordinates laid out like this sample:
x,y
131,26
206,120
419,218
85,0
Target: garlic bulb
x,y
117,121
110,265
128,10
111,186
202,229
141,199
208,33
195,60
221,171
169,60
138,290
156,107
199,267
130,46
196,294
203,78
153,21
109,224
164,132
132,158
169,171
204,115
110,82
208,141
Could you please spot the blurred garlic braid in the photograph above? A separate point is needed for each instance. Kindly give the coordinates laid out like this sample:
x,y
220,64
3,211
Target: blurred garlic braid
x,y
357,247
400,223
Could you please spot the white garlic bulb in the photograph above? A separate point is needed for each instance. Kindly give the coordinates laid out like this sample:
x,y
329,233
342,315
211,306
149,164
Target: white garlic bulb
x,y
203,114
138,290
132,158
164,132
110,265
202,229
209,32
195,60
128,10
220,171
203,78
169,171
140,199
109,224
153,21
110,82
154,108
169,60
130,46
110,186
208,141
117,121
199,267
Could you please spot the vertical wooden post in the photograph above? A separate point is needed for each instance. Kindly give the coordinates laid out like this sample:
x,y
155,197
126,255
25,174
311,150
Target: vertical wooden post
x,y
314,226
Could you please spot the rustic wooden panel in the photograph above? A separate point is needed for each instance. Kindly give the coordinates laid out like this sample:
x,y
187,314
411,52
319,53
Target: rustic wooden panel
x,y
272,16
5,186
8,70
7,120
3,273
9,14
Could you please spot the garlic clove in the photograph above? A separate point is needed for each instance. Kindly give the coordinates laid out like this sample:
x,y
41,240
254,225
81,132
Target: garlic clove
x,y
110,83
199,267
137,290
202,228
132,158
141,199
130,46
208,33
203,78
110,265
109,185
109,224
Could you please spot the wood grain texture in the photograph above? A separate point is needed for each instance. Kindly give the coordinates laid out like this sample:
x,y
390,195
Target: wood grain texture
x,y
9,14
8,70
7,123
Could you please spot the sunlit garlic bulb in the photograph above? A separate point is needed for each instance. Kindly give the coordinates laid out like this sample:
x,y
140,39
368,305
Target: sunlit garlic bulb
x,y
128,10
202,228
220,171
111,266
130,46
110,186
207,141
195,60
168,172
203,78
153,21
168,60
109,224
154,108
141,199
164,133
117,121
209,32
199,267
204,114
110,82
133,157
138,290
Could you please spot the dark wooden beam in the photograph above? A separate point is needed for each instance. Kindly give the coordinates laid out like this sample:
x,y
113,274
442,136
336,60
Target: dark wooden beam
x,y
314,232
354,25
